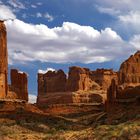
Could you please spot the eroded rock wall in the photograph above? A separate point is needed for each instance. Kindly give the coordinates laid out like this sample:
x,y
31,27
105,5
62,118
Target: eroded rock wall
x,y
19,85
52,81
129,73
128,86
79,79
104,77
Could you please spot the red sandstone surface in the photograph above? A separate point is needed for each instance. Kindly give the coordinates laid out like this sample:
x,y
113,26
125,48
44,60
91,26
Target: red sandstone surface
x,y
127,89
80,86
19,85
3,61
18,88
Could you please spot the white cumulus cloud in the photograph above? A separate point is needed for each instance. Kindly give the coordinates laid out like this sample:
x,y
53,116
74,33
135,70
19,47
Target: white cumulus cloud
x,y
69,43
32,98
6,13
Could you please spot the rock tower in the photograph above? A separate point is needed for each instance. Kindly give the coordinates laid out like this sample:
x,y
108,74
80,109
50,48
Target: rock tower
x,y
3,61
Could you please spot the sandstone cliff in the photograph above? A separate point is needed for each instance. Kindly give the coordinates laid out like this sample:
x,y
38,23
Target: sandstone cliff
x,y
128,85
52,81
104,77
81,86
79,79
129,73
19,85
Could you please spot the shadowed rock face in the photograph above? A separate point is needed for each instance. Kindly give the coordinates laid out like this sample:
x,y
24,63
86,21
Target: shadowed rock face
x,y
19,85
51,82
129,92
3,61
112,91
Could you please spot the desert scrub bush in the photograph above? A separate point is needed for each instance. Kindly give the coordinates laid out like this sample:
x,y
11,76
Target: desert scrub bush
x,y
20,110
54,137
20,122
61,125
130,130
122,131
138,116
52,131
5,131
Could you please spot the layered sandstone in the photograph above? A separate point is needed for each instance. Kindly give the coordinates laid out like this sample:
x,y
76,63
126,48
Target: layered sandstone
x,y
104,77
129,73
79,79
52,81
3,61
129,77
128,85
79,87
19,85
71,98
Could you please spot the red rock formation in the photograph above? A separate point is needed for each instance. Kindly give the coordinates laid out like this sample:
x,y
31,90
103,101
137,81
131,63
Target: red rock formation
x,y
18,86
129,92
3,61
52,81
129,73
53,87
104,77
70,97
128,85
112,92
79,79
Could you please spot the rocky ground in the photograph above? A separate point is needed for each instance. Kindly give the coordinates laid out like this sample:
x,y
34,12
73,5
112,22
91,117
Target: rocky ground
x,y
21,121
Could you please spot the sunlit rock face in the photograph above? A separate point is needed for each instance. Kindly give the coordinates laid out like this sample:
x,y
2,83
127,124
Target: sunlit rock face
x,y
3,61
129,77
128,85
79,79
81,85
18,88
129,73
104,77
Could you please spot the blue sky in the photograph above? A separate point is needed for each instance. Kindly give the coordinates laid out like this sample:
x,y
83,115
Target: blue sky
x,y
61,33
